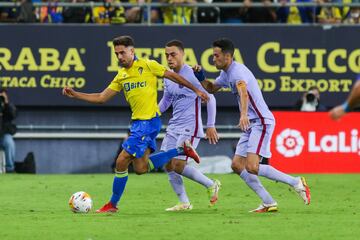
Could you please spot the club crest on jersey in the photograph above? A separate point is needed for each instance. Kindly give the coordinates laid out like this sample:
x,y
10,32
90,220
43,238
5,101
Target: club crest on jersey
x,y
130,86
140,70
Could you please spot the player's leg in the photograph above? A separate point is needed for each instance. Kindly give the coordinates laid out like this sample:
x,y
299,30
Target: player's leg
x,y
192,173
133,147
268,171
119,182
175,180
268,203
212,186
142,142
158,160
298,183
181,167
177,184
141,165
238,165
259,146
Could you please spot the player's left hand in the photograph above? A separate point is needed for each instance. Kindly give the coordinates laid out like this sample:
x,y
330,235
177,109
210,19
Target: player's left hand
x,y
244,123
197,68
212,135
199,73
337,112
204,97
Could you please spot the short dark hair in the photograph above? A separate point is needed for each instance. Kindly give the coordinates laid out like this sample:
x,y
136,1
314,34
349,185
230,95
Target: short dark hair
x,y
175,43
226,45
124,41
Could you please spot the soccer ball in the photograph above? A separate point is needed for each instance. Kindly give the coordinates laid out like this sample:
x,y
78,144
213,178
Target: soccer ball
x,y
80,202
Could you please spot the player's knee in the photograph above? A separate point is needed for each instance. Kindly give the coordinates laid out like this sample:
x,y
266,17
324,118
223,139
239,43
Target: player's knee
x,y
234,167
169,167
237,167
120,165
140,171
179,167
252,168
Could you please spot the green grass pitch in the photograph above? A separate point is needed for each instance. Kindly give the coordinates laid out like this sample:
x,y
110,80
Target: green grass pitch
x,y
36,207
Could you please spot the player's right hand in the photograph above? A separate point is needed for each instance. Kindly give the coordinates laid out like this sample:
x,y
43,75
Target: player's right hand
x,y
69,92
212,135
244,123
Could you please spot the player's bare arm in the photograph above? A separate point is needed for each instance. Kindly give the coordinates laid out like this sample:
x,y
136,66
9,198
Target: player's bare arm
x,y
244,122
354,98
180,80
353,101
98,98
208,85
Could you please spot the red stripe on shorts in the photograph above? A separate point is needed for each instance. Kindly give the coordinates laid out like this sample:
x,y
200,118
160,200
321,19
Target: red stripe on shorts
x,y
262,123
196,122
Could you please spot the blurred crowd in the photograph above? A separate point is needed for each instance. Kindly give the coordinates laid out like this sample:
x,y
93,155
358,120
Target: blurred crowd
x,y
107,13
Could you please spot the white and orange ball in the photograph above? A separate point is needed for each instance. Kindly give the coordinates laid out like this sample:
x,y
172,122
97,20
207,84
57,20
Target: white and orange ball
x,y
80,202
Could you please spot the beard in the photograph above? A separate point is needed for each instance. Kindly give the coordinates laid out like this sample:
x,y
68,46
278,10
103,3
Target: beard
x,y
219,67
123,65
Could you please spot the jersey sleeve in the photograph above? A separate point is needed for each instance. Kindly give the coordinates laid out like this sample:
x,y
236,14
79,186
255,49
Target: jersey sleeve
x,y
156,68
220,81
242,73
190,77
211,111
115,84
165,101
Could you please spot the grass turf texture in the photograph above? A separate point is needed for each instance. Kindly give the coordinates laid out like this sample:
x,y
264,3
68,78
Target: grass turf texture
x,y
36,207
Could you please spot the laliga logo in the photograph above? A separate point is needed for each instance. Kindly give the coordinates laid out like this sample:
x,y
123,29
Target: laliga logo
x,y
289,143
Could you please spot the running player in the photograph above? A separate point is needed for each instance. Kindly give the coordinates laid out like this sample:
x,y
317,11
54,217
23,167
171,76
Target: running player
x,y
256,122
352,101
138,79
186,124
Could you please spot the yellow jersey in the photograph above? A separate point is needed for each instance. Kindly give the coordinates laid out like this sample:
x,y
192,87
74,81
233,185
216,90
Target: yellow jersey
x,y
294,16
330,13
177,15
139,83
